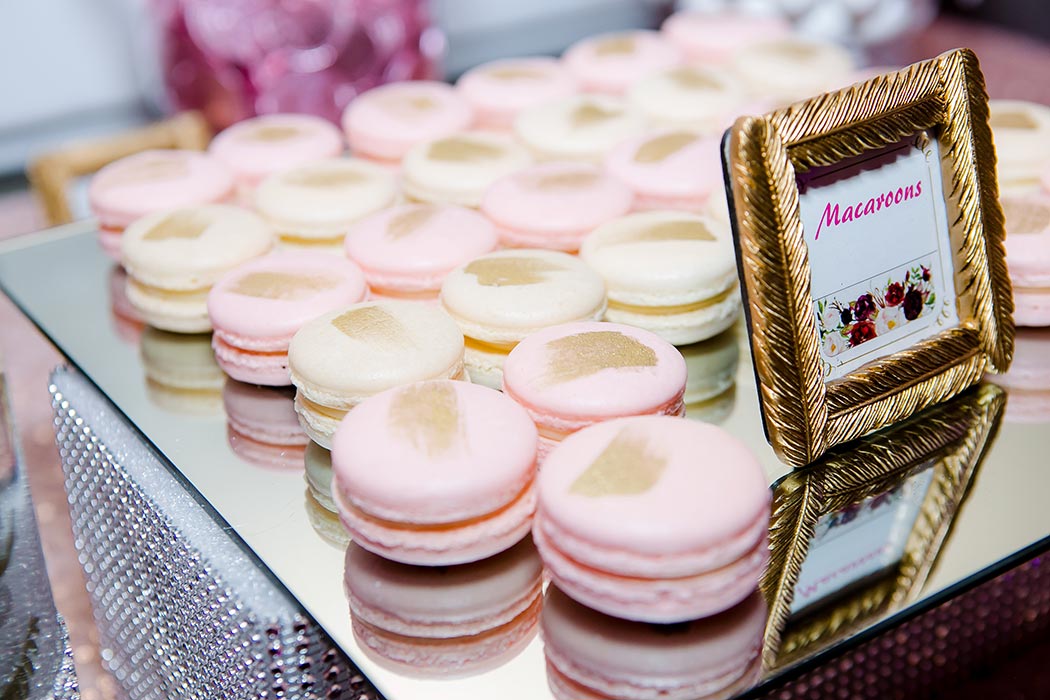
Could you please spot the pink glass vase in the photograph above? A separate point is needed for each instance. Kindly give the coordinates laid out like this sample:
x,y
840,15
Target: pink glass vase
x,y
233,59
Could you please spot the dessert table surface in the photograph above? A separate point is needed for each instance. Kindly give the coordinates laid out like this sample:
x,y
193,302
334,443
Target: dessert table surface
x,y
62,281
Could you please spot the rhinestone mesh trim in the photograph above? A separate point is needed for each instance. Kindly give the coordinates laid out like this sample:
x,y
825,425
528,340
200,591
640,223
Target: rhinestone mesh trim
x,y
170,625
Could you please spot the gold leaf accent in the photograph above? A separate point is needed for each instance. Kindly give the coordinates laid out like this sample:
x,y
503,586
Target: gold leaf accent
x,y
510,271
283,285
588,114
680,230
185,224
585,354
692,79
628,466
566,181
371,324
325,178
408,222
661,148
463,150
427,416
272,133
615,46
794,50
1013,120
408,105
515,73
1025,216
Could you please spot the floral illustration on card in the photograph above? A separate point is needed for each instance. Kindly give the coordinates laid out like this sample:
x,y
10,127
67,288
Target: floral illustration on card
x,y
883,308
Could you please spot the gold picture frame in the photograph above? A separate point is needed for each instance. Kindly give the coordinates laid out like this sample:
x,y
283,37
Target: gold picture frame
x,y
945,97
951,438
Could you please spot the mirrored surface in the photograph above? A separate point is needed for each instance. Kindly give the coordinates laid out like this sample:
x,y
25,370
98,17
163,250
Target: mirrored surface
x,y
868,542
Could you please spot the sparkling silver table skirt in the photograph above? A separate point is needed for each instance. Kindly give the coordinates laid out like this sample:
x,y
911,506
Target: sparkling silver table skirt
x,y
183,609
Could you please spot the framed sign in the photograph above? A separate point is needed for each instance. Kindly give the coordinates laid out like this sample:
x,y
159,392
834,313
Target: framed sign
x,y
855,538
870,245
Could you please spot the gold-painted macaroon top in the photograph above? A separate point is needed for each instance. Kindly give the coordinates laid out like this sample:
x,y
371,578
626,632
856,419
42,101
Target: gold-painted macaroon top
x,y
565,181
793,50
427,416
616,46
408,105
674,230
693,79
285,286
585,354
660,148
371,324
324,178
513,73
183,224
271,133
1024,216
457,149
506,271
628,466
588,114
409,222
1012,120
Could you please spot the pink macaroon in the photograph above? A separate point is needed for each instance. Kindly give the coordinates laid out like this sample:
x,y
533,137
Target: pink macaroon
x,y
653,518
715,37
407,251
612,63
435,473
1028,256
262,428
554,205
498,91
592,656
152,181
385,122
676,169
574,375
257,148
1028,379
256,309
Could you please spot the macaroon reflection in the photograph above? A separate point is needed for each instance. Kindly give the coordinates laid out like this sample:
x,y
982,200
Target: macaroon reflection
x,y
444,621
262,427
181,373
594,656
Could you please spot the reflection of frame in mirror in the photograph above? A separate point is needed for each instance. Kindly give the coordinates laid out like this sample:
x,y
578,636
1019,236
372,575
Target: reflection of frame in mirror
x,y
870,247
905,484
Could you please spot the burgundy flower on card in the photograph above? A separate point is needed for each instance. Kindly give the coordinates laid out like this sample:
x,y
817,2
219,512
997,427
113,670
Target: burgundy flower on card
x,y
912,304
894,294
861,332
864,308
925,273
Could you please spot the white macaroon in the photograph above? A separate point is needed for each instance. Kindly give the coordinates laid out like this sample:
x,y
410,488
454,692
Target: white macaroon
x,y
174,257
1021,132
500,298
314,205
582,127
670,272
458,169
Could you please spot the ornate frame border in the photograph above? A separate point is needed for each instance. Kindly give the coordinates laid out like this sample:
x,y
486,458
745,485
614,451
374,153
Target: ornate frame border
x,y
946,96
956,434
